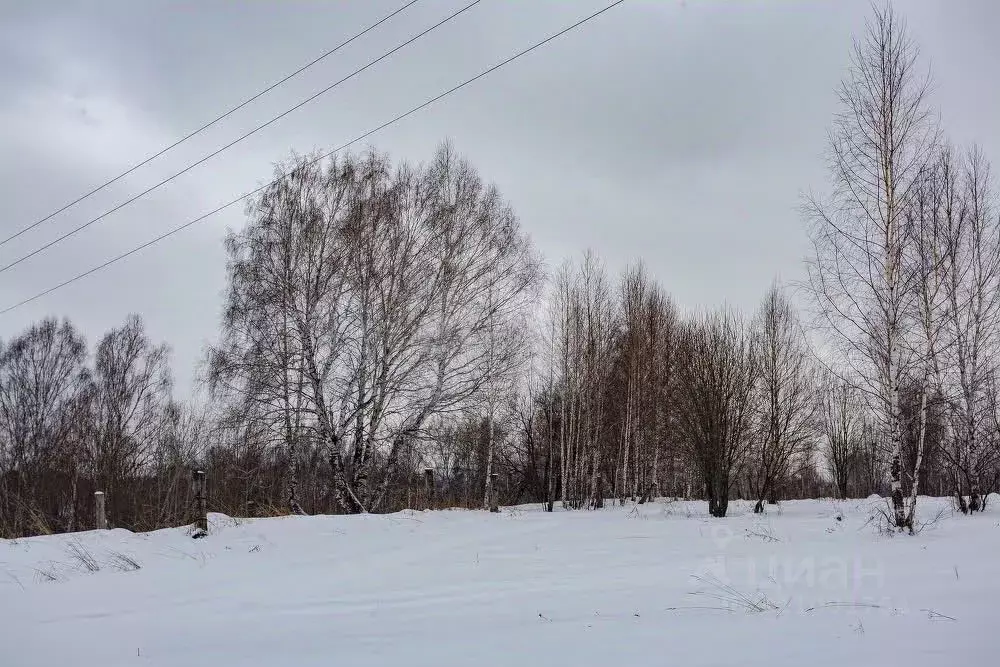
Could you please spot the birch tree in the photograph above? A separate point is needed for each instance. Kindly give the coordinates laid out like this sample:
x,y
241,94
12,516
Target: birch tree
x,y
880,144
278,263
643,401
371,298
585,333
928,260
130,405
971,285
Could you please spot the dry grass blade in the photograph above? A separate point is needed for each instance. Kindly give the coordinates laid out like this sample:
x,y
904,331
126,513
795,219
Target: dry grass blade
x,y
83,557
765,534
46,575
124,562
938,616
729,610
734,597
826,605
13,577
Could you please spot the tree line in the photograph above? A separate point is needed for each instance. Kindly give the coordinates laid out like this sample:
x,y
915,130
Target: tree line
x,y
390,338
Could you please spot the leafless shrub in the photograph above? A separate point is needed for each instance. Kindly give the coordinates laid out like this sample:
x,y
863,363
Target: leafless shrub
x,y
673,506
883,519
919,526
634,513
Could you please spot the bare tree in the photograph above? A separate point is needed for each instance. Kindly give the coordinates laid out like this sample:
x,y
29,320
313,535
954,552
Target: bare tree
x,y
717,370
659,464
842,420
132,385
506,357
585,330
785,395
183,443
548,405
44,389
858,277
971,285
869,471
927,260
645,360
258,365
366,300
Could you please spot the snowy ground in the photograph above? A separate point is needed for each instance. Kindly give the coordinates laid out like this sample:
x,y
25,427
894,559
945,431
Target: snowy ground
x,y
653,585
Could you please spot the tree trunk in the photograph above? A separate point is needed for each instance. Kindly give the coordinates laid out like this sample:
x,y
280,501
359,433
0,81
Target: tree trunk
x,y
918,463
429,487
494,505
896,463
550,481
488,499
390,465
975,501
72,500
293,479
345,499
201,504
598,499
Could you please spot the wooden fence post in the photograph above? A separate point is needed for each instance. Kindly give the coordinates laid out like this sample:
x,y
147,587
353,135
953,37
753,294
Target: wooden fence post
x,y
201,504
100,517
494,506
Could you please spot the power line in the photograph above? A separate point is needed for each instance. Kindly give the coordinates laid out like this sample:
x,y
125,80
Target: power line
x,y
360,137
118,207
209,124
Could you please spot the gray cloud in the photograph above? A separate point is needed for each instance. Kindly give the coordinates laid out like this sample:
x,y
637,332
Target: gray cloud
x,y
680,132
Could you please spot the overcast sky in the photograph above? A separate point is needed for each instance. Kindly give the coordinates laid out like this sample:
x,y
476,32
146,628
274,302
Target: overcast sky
x,y
684,133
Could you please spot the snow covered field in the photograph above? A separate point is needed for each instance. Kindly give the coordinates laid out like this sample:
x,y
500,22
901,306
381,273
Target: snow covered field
x,y
661,584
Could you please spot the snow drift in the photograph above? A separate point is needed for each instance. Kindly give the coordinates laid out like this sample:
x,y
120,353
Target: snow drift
x,y
660,583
